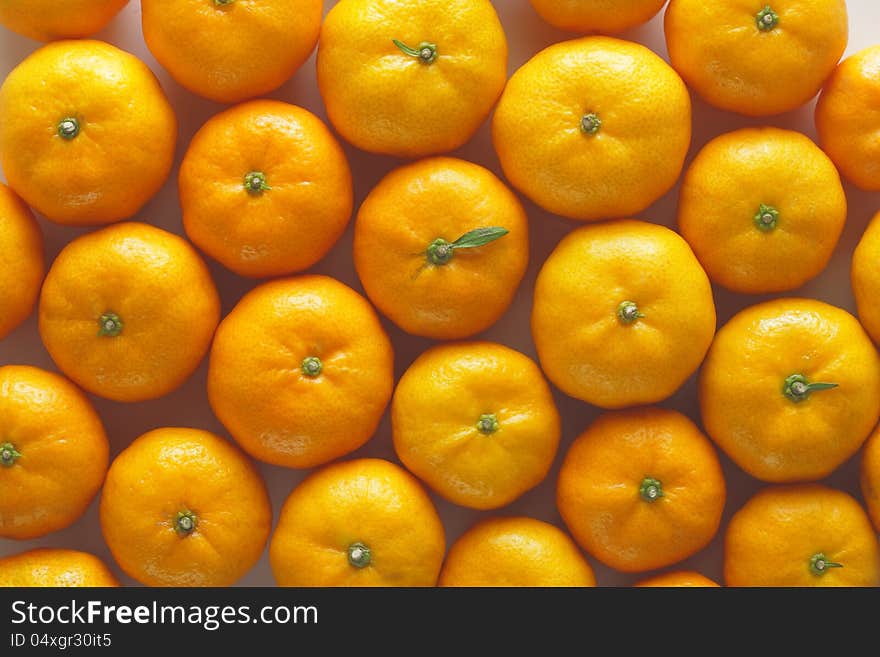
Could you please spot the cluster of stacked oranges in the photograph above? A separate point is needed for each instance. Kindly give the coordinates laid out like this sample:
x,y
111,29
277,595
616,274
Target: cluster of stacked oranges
x,y
301,370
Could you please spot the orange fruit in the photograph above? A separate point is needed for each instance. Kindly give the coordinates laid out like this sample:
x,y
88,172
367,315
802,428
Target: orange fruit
x,y
681,578
515,552
865,279
265,189
593,128
641,489
54,567
440,247
46,20
229,51
53,452
756,57
807,535
870,477
623,314
128,312
848,118
21,261
301,371
364,522
183,507
476,422
87,135
411,77
763,209
790,389
596,15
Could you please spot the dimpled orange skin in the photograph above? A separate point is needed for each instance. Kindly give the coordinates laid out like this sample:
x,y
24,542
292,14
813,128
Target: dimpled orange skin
x,y
767,434
385,101
773,538
275,231
439,404
723,56
680,578
21,261
170,471
409,209
865,279
848,118
515,552
870,477
59,452
635,156
158,287
599,492
596,15
54,567
127,130
47,20
231,51
258,386
369,502
741,174
584,346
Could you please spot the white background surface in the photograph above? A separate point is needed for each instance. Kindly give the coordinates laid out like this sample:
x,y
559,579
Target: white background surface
x,y
526,34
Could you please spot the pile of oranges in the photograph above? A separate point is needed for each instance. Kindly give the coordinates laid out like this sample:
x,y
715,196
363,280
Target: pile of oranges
x,y
301,370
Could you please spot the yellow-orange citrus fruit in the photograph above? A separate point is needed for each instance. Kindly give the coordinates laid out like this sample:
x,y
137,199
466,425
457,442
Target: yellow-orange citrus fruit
x,y
756,57
848,118
623,314
411,77
870,477
128,311
805,535
515,552
21,261
54,567
87,135
301,371
440,247
53,452
47,20
596,15
228,50
762,209
476,422
183,507
681,578
866,279
593,128
265,189
365,522
641,489
790,389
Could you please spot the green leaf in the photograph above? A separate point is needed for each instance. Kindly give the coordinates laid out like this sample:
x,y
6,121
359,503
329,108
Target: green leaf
x,y
479,237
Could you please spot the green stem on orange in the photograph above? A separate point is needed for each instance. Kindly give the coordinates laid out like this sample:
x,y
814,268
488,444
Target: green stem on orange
x,y
766,218
186,522
68,127
766,19
109,325
426,52
359,555
590,123
8,455
628,312
255,183
819,564
440,251
312,366
650,489
797,388
488,424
